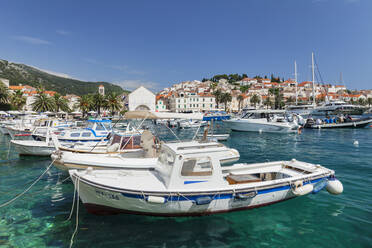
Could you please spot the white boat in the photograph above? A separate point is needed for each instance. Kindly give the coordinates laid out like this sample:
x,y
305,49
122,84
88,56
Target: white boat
x,y
217,137
303,110
191,124
338,107
97,130
263,121
33,147
142,159
190,184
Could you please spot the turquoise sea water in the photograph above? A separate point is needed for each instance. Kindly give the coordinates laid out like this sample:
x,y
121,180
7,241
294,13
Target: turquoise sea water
x,y
38,219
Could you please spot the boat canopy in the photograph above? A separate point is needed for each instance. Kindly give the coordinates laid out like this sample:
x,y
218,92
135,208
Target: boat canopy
x,y
143,114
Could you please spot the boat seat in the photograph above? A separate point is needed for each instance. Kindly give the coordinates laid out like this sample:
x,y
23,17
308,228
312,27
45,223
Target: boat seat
x,y
245,178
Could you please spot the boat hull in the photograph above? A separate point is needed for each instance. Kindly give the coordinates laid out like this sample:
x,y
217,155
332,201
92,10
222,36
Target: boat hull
x,y
4,130
354,124
27,148
99,199
246,126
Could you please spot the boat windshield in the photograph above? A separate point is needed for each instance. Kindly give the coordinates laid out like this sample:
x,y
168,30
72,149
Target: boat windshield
x,y
166,158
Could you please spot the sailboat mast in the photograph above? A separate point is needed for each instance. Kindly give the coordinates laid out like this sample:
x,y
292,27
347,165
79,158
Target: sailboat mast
x,y
295,64
312,67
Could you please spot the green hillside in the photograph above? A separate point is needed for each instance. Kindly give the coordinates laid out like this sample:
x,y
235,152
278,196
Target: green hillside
x,y
23,74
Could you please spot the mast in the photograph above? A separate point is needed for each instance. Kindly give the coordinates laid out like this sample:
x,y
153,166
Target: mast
x,y
312,67
295,64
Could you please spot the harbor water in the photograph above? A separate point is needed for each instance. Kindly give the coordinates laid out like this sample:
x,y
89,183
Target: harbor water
x,y
40,217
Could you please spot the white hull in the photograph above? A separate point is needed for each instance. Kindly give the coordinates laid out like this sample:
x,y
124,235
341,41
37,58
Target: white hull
x,y
4,130
30,147
100,200
103,192
16,134
248,125
218,137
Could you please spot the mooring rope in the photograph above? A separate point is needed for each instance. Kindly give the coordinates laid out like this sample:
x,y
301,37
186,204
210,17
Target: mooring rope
x,y
77,213
173,133
27,189
196,133
7,157
73,202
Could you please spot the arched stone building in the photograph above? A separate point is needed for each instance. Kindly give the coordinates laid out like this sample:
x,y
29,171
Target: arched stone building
x,y
141,99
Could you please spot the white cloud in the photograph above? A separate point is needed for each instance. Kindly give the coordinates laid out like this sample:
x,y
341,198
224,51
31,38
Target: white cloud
x,y
134,84
62,32
31,40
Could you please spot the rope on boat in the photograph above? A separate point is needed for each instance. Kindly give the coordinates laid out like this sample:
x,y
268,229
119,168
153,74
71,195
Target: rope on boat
x,y
27,189
173,133
196,133
77,212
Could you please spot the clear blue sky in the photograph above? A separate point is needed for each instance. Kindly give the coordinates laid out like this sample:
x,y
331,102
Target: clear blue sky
x,y
158,43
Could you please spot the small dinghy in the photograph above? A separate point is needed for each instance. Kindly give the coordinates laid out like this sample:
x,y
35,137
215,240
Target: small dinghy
x,y
190,184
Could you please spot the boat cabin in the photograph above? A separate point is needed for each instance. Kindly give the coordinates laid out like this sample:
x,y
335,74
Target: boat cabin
x,y
192,162
270,115
96,130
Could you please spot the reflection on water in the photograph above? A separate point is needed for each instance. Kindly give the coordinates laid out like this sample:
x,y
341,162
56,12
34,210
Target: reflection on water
x,y
39,218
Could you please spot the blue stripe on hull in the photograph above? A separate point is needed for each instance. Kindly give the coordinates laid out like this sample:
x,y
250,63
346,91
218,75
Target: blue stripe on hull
x,y
217,196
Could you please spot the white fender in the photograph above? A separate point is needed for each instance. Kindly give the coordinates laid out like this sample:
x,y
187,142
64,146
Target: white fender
x,y
113,148
303,190
156,199
334,187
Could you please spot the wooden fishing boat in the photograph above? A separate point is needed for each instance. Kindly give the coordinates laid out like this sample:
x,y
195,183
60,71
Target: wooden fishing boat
x,y
188,184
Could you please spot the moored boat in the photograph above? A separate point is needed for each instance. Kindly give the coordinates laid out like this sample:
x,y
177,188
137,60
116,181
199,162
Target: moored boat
x,y
334,123
273,121
192,185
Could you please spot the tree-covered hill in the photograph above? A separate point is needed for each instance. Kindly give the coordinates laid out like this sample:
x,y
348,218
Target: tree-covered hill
x,y
24,74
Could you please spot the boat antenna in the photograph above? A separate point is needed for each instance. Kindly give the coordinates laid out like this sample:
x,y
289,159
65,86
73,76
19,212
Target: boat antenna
x,y
295,66
320,79
313,73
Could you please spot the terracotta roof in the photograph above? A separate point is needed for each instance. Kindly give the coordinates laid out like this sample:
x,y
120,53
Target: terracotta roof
x,y
304,83
16,87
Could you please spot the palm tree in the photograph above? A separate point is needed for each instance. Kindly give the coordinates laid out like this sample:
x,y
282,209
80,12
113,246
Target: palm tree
x,y
43,102
217,94
60,103
18,100
369,101
4,94
240,99
98,102
267,102
113,102
244,88
225,98
362,101
255,99
84,104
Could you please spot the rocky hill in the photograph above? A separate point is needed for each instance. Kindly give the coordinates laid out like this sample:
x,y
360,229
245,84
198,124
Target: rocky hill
x,y
24,74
